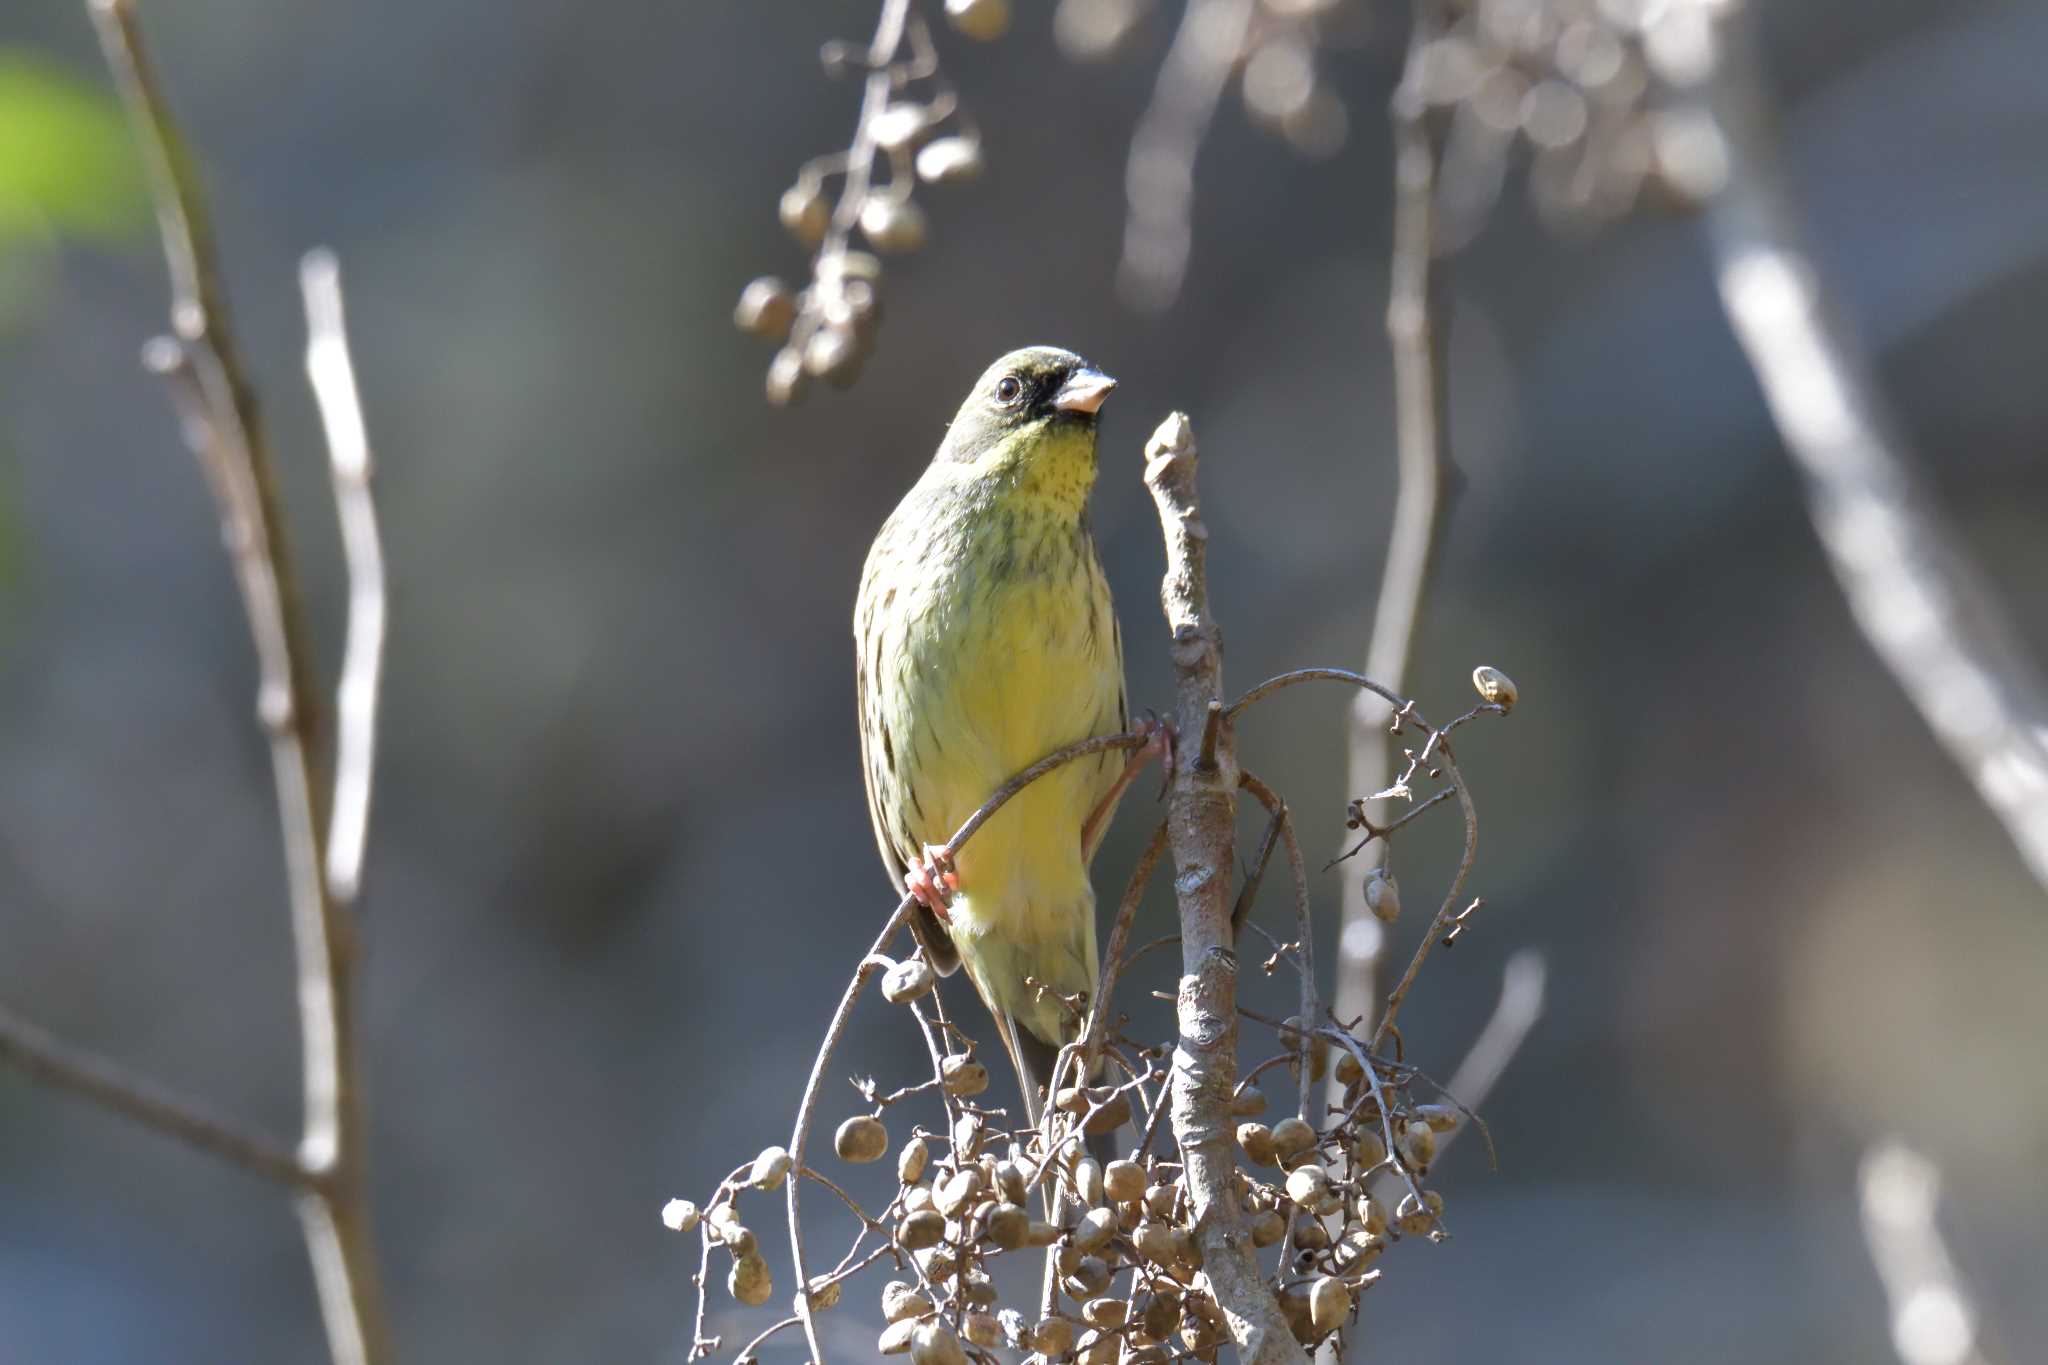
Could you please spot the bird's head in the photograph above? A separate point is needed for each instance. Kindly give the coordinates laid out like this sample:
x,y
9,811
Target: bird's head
x,y
1037,402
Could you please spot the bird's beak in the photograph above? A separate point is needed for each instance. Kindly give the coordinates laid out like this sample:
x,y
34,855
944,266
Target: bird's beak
x,y
1083,392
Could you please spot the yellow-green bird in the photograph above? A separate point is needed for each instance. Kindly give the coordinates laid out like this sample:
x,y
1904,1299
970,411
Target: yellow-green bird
x,y
987,639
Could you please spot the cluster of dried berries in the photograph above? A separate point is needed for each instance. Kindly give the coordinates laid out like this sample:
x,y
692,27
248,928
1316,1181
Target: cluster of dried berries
x,y
1572,81
912,129
1130,1287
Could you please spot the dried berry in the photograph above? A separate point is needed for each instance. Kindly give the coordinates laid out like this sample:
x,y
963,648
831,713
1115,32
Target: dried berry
x,y
1249,1102
861,1138
1329,1304
804,212
750,1280
933,1343
769,1169
1257,1141
981,20
908,981
786,377
1123,1181
963,1076
766,308
901,1299
1383,895
1053,1336
1292,1137
1094,1230
920,1230
1495,687
946,160
892,224
679,1215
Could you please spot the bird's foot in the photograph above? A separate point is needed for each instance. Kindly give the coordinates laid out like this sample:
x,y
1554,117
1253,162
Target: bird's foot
x,y
934,881
1158,744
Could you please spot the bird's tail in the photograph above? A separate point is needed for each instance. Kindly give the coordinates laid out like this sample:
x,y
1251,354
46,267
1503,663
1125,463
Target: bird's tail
x,y
1034,1059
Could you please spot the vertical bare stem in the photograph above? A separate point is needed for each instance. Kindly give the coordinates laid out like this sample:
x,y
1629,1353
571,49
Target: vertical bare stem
x,y
1926,609
1422,505
218,410
333,376
1201,830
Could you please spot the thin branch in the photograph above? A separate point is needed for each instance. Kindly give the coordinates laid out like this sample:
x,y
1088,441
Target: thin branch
x,y
1201,819
217,408
43,1057
1933,1318
1520,1006
1928,611
1311,1004
1120,936
1159,180
873,962
332,374
1418,335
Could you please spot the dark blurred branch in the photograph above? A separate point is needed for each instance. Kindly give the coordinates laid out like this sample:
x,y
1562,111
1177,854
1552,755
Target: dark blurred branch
x,y
48,1059
1304,931
1933,1317
1201,830
333,377
1159,180
217,408
1418,334
1926,609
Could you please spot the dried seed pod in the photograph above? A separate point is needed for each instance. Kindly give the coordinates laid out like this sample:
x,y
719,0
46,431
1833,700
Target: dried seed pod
x,y
892,224
1441,1118
730,1232
1160,1314
769,1169
1496,687
957,1191
1114,1114
910,979
1089,1277
1249,1102
1292,1137
1349,1072
1368,1150
977,1290
1383,894
785,383
804,212
861,1138
679,1215
1418,1145
750,1280
981,20
902,1299
945,160
1329,1304
911,1160
1104,1312
1310,1234
1097,1347
966,1136
1159,1200
1094,1230
1071,1099
933,1343
1294,1307
982,1329
1307,1185
938,1263
1123,1181
1257,1141
963,1076
917,1199
920,1230
1053,1336
824,1295
895,1338
1186,1251
1414,1217
1268,1228
834,354
766,308
1088,1180
1008,1226
1154,1242
1371,1214
1041,1234
1013,1181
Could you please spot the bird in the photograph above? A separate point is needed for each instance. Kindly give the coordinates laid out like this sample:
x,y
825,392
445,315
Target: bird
x,y
986,638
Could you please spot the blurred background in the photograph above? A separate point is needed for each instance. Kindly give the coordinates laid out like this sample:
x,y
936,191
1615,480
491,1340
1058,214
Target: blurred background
x,y
620,860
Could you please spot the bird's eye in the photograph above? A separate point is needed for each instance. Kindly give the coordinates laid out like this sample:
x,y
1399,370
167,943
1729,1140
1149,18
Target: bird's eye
x,y
1009,389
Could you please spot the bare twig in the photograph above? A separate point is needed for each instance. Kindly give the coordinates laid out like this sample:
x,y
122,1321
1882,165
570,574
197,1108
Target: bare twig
x,y
1311,1004
1927,610
333,377
1519,1007
1933,1320
49,1059
218,411
1418,336
1159,180
1201,813
1120,937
